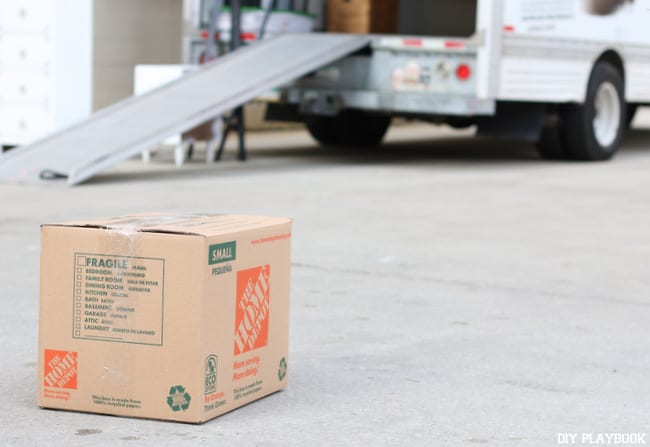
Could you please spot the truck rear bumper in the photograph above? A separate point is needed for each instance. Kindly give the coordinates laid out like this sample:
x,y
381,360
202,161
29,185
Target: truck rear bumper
x,y
332,101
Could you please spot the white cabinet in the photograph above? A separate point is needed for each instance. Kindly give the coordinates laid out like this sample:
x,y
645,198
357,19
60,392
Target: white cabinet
x,y
62,59
32,64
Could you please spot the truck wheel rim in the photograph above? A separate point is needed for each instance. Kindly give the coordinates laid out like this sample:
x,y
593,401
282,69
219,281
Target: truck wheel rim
x,y
607,119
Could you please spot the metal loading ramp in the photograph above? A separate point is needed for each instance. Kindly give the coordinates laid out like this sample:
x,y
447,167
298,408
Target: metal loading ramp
x,y
135,124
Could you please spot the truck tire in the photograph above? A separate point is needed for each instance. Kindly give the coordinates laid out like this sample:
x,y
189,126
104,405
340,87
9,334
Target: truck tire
x,y
321,128
460,122
349,128
593,131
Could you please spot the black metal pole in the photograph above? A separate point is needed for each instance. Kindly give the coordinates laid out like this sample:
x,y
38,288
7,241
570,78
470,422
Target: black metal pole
x,y
235,42
235,24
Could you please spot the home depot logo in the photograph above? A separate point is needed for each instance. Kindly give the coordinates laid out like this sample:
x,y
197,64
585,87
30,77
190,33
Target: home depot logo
x,y
60,369
252,312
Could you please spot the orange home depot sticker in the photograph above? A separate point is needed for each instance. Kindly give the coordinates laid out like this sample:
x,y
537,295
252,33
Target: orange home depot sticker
x,y
252,312
60,369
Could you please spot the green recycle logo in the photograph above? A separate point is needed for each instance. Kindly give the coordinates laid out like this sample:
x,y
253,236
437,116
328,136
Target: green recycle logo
x,y
282,369
178,398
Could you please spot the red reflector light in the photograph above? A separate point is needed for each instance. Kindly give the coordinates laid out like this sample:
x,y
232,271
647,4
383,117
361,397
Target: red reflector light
x,y
454,44
463,72
412,42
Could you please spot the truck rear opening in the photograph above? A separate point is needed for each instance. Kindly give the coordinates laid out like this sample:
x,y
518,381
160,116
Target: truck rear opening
x,y
453,18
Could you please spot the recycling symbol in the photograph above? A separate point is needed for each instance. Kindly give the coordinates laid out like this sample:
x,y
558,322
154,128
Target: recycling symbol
x,y
282,369
178,398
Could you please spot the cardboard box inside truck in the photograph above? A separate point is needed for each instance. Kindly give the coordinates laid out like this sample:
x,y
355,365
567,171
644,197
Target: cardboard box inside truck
x,y
362,16
178,318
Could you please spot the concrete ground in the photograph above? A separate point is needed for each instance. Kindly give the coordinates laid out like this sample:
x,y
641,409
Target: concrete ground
x,y
446,290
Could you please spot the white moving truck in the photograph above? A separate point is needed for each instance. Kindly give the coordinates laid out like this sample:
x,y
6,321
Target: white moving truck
x,y
565,74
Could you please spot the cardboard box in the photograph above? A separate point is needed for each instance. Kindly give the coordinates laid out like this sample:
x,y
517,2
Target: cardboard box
x,y
179,318
362,16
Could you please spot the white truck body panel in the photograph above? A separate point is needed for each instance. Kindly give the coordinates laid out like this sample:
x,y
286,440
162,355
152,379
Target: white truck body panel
x,y
624,22
548,47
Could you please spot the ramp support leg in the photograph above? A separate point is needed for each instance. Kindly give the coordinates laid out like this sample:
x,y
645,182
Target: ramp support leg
x,y
233,122
239,113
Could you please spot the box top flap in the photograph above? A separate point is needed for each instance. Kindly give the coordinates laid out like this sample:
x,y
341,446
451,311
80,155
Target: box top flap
x,y
189,224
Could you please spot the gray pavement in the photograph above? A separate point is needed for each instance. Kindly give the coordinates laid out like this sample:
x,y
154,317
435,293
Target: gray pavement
x,y
446,291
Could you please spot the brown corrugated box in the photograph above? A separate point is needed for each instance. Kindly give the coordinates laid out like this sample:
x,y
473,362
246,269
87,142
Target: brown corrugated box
x,y
362,16
168,317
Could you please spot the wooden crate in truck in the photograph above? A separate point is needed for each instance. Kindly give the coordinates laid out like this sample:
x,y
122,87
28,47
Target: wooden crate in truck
x,y
362,16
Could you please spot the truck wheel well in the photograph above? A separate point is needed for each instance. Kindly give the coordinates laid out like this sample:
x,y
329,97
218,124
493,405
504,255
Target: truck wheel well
x,y
614,59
